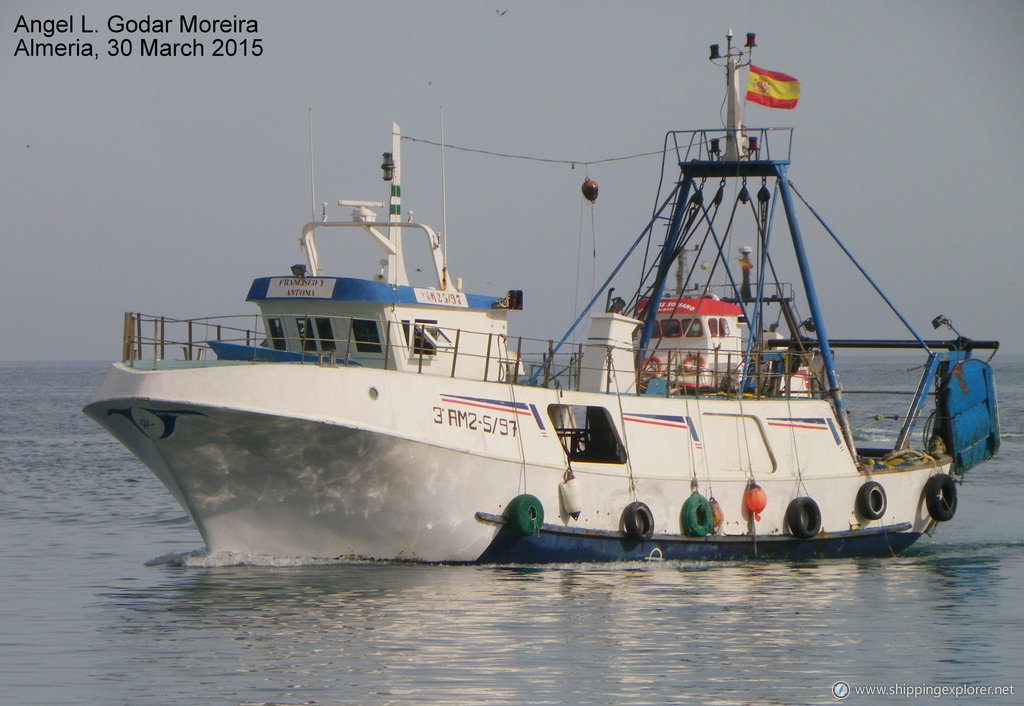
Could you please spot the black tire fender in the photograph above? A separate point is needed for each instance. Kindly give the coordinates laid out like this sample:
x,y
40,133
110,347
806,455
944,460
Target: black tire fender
x,y
940,497
803,517
871,500
638,521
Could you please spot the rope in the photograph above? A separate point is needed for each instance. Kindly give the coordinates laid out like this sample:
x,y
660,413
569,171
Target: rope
x,y
579,252
511,379
622,422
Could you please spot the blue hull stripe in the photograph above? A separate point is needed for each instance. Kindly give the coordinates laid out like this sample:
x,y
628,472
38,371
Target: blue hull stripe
x,y
499,405
555,544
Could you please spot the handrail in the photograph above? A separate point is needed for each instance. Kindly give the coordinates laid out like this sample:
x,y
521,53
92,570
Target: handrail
x,y
699,145
153,341
396,263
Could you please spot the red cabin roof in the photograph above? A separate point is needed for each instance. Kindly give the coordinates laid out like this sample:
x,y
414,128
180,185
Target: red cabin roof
x,y
693,306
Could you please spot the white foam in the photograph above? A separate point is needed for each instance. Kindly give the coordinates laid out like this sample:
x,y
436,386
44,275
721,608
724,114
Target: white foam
x,y
201,558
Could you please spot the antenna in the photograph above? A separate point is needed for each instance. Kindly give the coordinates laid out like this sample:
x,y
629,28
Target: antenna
x,y
312,183
444,207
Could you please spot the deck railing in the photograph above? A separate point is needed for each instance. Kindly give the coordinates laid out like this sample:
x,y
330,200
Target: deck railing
x,y
153,342
165,338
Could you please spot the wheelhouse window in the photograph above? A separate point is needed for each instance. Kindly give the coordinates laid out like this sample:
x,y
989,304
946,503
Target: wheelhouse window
x,y
306,334
276,330
366,335
693,328
718,327
672,328
424,336
325,333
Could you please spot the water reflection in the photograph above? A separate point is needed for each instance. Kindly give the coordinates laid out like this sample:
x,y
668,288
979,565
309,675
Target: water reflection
x,y
764,632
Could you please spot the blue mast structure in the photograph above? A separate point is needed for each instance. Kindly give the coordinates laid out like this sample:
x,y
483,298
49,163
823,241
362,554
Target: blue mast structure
x,y
740,159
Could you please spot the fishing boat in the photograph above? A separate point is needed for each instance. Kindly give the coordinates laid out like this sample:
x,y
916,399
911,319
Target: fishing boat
x,y
371,417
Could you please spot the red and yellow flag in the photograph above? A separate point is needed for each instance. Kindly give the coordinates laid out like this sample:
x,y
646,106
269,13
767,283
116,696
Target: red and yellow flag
x,y
771,88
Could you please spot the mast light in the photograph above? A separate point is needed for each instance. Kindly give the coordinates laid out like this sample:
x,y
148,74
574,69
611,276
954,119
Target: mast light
x,y
751,36
714,53
388,166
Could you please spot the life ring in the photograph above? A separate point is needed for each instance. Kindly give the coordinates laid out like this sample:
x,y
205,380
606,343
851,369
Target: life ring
x,y
693,362
652,367
638,521
525,515
871,500
940,497
698,517
803,517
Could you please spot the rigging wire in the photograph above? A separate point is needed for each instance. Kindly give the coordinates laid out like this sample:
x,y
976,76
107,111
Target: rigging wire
x,y
528,158
579,250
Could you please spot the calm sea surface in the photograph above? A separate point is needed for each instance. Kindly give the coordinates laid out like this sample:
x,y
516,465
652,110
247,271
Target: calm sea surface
x,y
107,598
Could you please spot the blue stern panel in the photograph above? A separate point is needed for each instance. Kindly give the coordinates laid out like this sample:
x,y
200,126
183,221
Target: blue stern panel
x,y
967,418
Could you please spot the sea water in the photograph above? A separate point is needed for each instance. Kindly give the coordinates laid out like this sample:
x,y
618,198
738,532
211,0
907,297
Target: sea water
x,y
107,597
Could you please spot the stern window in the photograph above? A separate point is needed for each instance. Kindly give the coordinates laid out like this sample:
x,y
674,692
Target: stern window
x,y
587,434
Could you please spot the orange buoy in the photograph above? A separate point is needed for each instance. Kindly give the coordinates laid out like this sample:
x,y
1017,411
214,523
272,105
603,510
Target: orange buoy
x,y
589,190
717,514
755,500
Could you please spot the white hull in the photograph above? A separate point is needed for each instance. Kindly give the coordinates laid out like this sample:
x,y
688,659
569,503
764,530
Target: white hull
x,y
317,461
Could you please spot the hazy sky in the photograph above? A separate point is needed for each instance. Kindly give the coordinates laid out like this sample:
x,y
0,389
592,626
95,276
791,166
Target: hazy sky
x,y
166,184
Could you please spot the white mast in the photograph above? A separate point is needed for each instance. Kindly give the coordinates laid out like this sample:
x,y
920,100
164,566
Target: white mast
x,y
735,148
396,262
734,109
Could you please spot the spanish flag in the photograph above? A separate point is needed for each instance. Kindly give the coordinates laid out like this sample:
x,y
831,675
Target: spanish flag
x,y
771,88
